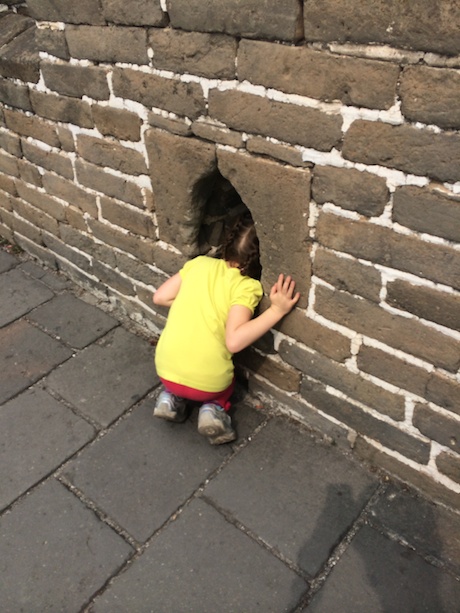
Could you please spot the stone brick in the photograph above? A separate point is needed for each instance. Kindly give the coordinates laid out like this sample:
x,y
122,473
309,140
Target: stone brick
x,y
113,278
86,243
315,335
8,184
41,200
408,335
71,193
6,201
51,160
30,173
363,422
10,143
175,125
135,245
32,126
109,184
53,42
271,19
37,217
383,246
75,218
428,211
278,197
118,123
11,25
217,134
131,219
430,95
318,74
19,59
449,465
9,164
62,108
444,391
85,11
407,148
139,13
76,81
22,228
420,480
421,25
198,53
139,271
437,426
108,44
109,153
440,307
348,274
283,376
284,153
66,138
15,94
350,189
65,251
286,122
338,376
167,260
394,370
154,91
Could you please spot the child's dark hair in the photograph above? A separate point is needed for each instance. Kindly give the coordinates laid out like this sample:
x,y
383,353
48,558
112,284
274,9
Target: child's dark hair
x,y
242,247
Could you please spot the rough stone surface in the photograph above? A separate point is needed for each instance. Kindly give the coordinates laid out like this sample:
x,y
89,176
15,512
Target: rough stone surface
x,y
86,11
449,465
248,18
109,184
118,123
300,70
62,108
19,59
107,44
437,427
139,13
53,42
76,81
109,153
15,95
19,294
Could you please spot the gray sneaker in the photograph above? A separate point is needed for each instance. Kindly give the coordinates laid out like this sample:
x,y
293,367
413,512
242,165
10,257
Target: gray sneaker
x,y
216,424
170,407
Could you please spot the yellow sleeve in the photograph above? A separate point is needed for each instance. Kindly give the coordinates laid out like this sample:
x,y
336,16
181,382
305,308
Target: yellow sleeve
x,y
248,292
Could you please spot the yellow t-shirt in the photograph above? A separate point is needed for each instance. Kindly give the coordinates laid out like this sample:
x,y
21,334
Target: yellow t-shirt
x,y
192,350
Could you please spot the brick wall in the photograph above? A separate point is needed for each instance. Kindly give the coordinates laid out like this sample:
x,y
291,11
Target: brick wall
x,y
336,122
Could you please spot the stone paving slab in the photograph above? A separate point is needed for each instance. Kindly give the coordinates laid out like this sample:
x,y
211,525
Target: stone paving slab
x,y
425,526
204,564
55,553
301,497
19,294
26,355
7,261
108,377
378,575
157,465
51,279
37,433
75,322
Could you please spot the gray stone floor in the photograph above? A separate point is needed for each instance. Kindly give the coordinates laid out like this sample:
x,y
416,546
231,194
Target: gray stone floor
x,y
104,508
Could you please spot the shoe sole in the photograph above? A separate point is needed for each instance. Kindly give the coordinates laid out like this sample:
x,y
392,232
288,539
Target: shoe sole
x,y
228,437
163,412
214,430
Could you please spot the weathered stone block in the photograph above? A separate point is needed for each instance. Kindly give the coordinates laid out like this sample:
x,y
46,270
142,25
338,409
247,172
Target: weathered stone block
x,y
113,278
350,189
86,243
37,217
118,123
421,25
136,269
137,246
109,184
407,148
401,333
61,249
430,95
361,421
429,211
69,192
348,274
440,307
198,53
128,218
449,465
284,153
76,81
338,376
287,122
444,391
217,134
108,44
175,125
318,74
50,160
66,138
437,427
8,185
283,376
178,166
85,11
271,19
62,108
15,95
9,164
384,246
139,13
10,143
49,205
155,91
19,59
109,153
11,25
53,42
75,218
30,173
32,126
278,197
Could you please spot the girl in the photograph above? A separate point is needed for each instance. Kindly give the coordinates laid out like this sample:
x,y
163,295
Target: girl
x,y
212,302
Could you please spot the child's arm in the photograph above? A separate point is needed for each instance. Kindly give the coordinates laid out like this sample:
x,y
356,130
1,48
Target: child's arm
x,y
165,294
242,331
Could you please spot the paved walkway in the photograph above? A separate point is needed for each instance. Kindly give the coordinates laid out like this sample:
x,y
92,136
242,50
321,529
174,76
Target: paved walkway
x,y
104,508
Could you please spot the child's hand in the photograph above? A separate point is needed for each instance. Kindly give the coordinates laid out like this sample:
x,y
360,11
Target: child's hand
x,y
282,295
